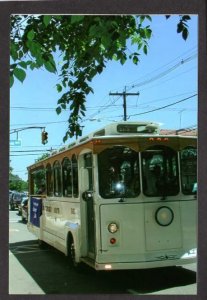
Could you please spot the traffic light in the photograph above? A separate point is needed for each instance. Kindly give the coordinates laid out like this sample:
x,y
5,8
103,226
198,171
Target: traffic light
x,y
44,137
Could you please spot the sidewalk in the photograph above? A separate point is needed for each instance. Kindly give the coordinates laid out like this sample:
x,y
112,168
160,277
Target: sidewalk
x,y
20,281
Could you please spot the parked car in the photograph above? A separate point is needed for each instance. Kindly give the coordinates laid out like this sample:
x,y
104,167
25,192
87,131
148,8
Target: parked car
x,y
10,194
24,198
24,209
15,200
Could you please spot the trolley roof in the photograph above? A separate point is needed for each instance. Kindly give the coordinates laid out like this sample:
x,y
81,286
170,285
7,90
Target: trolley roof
x,y
137,135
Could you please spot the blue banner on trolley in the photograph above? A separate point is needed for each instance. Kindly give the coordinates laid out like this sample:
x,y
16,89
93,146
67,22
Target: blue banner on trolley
x,y
35,211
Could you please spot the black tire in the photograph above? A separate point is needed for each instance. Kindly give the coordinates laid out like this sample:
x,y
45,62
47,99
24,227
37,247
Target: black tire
x,y
71,255
12,206
71,252
24,220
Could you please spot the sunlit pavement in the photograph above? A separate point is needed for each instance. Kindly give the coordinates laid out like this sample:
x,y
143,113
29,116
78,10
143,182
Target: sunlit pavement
x,y
20,281
29,286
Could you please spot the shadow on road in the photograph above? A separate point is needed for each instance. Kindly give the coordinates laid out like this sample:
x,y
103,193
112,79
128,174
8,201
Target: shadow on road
x,y
51,271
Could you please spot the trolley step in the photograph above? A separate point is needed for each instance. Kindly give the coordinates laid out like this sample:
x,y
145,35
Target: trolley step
x,y
89,261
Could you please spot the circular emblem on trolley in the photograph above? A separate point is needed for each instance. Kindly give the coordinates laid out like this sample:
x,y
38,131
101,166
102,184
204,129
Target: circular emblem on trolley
x,y
164,216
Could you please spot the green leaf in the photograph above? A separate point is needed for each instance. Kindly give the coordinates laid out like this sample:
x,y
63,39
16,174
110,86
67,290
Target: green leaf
x,y
46,20
58,110
148,32
59,87
135,60
142,19
94,31
76,19
11,80
63,106
145,49
31,35
33,66
149,18
186,18
185,33
82,112
180,27
123,59
50,67
13,51
99,69
20,74
23,64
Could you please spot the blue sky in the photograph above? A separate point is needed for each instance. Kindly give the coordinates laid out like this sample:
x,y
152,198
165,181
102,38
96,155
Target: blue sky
x,y
167,74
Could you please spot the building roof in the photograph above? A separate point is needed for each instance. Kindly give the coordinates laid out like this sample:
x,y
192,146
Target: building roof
x,y
184,131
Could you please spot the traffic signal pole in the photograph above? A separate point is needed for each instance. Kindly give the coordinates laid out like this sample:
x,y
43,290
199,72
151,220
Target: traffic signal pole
x,y
44,134
124,94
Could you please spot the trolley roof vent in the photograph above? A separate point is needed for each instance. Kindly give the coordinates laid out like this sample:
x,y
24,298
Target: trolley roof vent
x,y
62,149
54,152
71,145
99,133
138,128
84,139
129,128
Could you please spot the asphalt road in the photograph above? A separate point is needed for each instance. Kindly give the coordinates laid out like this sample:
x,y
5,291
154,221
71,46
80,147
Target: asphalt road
x,y
46,271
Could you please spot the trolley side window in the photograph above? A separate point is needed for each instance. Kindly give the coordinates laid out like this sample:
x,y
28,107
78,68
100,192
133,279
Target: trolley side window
x,y
67,177
57,179
118,169
49,180
160,172
37,181
188,164
75,176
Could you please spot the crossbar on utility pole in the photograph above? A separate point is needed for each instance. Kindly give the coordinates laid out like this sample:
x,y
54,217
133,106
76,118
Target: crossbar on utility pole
x,y
124,94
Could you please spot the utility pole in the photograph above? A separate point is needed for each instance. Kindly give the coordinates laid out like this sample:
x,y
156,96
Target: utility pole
x,y
124,94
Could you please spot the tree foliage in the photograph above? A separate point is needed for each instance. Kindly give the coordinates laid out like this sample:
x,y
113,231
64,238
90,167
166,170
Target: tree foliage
x,y
16,183
84,45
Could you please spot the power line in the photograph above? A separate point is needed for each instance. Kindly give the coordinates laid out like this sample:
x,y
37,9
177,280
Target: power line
x,y
103,107
31,150
156,77
164,73
164,106
25,154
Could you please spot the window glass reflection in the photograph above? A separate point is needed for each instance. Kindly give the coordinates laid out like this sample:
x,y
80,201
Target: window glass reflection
x,y
118,173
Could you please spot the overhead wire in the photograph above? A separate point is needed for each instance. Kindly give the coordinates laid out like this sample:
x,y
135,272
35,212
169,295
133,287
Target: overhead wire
x,y
110,102
165,106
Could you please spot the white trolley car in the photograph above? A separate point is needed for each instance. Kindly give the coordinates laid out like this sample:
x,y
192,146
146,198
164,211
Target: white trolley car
x,y
123,197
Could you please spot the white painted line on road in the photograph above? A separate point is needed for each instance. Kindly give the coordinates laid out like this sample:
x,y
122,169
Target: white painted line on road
x,y
13,229
13,221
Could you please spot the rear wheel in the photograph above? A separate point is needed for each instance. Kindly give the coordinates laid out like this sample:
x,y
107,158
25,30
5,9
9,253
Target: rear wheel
x,y
71,254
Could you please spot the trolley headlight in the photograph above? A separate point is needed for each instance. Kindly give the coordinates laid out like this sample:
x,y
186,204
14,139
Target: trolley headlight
x,y
113,227
164,216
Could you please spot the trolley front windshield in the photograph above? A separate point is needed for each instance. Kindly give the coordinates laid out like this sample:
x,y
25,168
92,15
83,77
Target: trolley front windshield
x,y
120,174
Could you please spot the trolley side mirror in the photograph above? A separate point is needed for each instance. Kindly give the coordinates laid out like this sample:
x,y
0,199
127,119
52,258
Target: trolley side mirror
x,y
87,195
